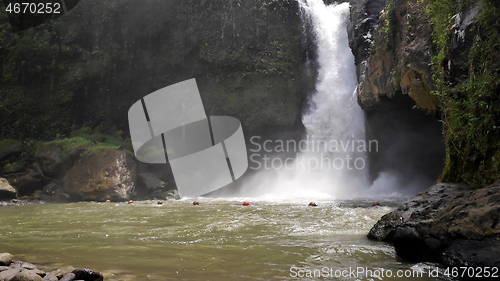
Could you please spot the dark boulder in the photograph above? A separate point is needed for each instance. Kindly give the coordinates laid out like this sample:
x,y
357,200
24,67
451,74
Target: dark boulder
x,y
51,188
87,274
410,245
13,157
11,150
16,167
474,253
449,223
49,156
7,192
150,181
385,228
54,192
26,184
148,184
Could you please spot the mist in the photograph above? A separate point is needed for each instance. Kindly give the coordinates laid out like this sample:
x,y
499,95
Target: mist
x,y
333,116
334,122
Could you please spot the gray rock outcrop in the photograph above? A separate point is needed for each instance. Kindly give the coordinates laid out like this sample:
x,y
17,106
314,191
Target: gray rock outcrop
x,y
453,224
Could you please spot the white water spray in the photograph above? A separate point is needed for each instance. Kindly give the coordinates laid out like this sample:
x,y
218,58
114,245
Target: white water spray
x,y
334,117
333,105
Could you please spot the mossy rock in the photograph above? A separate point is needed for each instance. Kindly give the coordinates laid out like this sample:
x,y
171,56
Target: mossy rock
x,y
8,142
14,168
56,157
10,148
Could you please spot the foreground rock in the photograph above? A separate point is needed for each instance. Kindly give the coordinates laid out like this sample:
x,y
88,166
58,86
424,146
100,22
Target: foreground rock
x,y
23,271
7,192
5,259
449,223
105,174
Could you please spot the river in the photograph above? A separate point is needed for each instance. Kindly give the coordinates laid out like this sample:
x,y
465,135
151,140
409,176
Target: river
x,y
218,240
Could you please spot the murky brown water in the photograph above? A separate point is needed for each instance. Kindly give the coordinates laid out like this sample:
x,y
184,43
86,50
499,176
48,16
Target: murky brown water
x,y
217,240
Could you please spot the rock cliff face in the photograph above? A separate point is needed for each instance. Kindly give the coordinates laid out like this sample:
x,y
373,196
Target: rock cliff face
x,y
453,224
365,16
392,44
462,39
391,41
397,58
89,66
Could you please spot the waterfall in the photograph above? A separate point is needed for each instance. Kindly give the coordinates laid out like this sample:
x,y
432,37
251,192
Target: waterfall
x,y
333,106
334,121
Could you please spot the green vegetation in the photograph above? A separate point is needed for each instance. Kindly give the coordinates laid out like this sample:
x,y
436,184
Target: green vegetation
x,y
389,25
92,141
7,142
471,103
411,22
87,68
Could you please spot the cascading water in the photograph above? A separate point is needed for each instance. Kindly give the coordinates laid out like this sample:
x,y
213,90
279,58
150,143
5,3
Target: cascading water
x,y
334,162
333,108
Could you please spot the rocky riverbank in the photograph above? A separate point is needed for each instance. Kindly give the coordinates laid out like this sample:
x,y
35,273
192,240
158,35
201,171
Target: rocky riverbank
x,y
86,166
11,270
449,223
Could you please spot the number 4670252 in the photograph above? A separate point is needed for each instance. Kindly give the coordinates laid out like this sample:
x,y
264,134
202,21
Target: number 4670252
x,y
34,8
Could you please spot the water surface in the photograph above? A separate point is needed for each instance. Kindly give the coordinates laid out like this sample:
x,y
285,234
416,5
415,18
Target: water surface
x,y
218,240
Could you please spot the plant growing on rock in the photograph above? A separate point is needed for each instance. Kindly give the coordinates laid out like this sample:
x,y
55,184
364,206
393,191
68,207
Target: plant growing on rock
x,y
470,91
